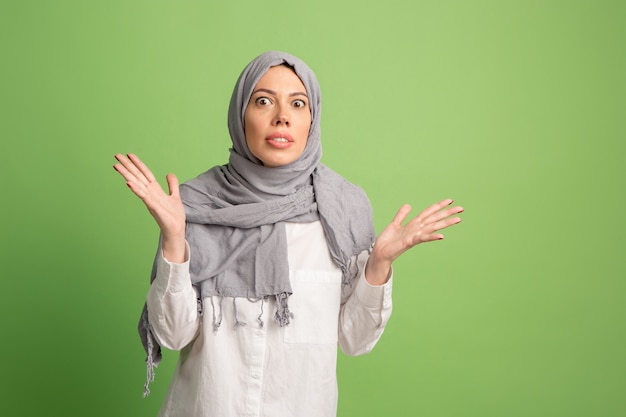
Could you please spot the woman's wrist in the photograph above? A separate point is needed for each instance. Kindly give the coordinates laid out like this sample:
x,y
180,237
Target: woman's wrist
x,y
377,272
173,248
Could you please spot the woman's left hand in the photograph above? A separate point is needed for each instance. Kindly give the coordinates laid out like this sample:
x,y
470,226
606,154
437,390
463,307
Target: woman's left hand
x,y
397,238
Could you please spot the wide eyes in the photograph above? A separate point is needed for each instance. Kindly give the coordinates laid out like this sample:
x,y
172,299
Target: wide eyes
x,y
266,101
263,101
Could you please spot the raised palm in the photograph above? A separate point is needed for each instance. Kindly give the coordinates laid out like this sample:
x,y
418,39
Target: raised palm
x,y
167,209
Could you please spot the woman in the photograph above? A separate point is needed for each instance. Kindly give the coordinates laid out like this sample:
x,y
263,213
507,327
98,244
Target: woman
x,y
267,263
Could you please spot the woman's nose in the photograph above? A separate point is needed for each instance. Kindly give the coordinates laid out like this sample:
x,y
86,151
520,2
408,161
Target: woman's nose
x,y
281,118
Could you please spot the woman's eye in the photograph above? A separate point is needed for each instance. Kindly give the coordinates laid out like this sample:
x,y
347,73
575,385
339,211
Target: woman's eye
x,y
263,101
299,104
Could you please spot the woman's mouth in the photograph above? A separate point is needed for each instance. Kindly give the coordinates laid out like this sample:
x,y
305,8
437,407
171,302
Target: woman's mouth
x,y
279,140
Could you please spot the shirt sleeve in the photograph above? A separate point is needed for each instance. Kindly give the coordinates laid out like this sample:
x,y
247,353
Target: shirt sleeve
x,y
364,313
172,304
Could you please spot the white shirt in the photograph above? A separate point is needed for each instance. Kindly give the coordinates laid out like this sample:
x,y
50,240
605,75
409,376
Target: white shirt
x,y
266,371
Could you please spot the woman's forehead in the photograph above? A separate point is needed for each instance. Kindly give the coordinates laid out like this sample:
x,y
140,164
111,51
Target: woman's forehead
x,y
281,77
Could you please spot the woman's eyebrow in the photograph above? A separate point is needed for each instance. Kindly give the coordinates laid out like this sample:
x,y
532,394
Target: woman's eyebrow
x,y
264,90
272,92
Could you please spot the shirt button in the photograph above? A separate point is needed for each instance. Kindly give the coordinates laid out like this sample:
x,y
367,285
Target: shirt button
x,y
255,376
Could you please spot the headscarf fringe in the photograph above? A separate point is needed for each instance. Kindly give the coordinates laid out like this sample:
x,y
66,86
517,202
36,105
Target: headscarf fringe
x,y
282,314
200,307
217,320
238,323
150,364
260,318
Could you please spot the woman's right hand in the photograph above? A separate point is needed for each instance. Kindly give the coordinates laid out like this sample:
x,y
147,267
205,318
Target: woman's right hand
x,y
167,209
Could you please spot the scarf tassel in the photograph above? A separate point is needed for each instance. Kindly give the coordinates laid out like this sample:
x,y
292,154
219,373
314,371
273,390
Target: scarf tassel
x,y
283,314
217,320
151,361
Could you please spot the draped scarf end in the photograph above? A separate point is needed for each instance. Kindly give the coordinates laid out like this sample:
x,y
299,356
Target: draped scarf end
x,y
152,359
282,314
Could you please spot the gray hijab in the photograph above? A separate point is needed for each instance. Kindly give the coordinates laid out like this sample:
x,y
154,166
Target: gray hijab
x,y
236,213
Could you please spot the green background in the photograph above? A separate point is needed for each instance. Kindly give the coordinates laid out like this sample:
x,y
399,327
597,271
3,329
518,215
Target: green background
x,y
513,108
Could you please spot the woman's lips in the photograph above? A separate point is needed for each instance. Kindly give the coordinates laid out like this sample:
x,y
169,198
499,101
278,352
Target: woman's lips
x,y
280,140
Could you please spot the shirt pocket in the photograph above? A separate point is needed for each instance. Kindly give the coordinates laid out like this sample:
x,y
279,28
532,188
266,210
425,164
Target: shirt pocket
x,y
315,304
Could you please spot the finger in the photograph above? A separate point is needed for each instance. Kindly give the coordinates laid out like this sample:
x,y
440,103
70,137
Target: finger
x,y
442,224
440,215
138,189
424,236
430,238
142,167
137,186
401,214
133,173
128,176
430,210
172,184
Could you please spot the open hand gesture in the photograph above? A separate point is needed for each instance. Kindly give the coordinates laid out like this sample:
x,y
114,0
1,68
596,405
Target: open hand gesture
x,y
397,238
167,209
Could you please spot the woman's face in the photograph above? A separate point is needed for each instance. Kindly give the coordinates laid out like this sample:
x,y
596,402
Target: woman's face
x,y
277,118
